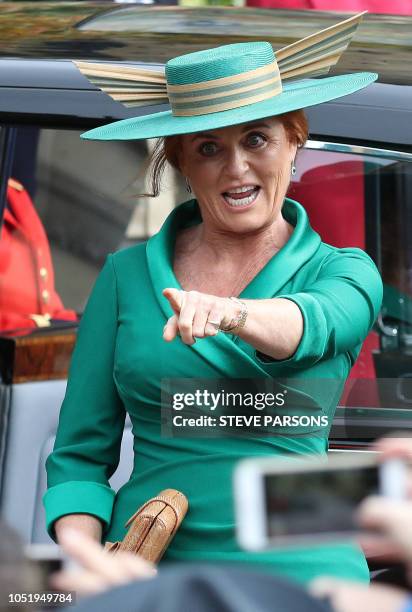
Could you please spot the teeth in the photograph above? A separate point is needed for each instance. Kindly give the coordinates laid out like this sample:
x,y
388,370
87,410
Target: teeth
x,y
242,189
237,202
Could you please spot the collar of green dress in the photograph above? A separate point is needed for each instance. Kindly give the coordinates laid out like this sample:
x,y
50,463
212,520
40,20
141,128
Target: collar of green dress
x,y
269,282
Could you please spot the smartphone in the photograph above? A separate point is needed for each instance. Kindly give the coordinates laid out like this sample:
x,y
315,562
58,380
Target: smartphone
x,y
48,558
293,502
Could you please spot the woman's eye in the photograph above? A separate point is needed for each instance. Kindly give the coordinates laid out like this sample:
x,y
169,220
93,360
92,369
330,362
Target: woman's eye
x,y
208,148
256,140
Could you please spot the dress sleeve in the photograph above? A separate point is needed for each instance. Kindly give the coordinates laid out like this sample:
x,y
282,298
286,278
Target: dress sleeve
x,y
338,309
87,448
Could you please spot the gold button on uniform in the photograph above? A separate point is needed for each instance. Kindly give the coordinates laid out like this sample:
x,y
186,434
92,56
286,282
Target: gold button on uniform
x,y
43,273
45,296
15,185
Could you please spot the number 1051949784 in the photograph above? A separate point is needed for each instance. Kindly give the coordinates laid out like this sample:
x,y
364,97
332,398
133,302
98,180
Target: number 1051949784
x,y
44,597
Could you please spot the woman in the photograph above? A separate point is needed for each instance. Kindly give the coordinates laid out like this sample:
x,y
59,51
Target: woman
x,y
301,309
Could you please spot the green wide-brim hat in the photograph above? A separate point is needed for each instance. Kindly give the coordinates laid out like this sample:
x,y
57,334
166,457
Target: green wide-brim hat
x,y
227,85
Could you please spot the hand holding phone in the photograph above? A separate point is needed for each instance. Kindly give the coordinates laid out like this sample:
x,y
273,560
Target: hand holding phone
x,y
47,558
294,502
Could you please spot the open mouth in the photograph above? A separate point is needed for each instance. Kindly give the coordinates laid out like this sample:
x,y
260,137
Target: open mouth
x,y
241,196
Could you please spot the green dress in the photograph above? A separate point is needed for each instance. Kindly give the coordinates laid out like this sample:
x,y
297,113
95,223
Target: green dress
x,y
121,357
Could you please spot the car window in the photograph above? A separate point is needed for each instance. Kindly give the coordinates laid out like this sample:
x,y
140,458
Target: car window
x,y
363,200
79,200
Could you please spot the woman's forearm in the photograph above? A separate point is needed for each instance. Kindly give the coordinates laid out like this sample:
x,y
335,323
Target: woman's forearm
x,y
86,523
273,327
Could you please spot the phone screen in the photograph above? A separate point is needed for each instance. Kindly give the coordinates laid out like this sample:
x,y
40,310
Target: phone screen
x,y
47,558
324,501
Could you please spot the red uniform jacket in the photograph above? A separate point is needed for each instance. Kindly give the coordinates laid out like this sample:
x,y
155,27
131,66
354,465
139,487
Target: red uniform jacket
x,y
26,269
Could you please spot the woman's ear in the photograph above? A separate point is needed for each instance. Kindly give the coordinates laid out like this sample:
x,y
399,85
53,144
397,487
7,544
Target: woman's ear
x,y
293,152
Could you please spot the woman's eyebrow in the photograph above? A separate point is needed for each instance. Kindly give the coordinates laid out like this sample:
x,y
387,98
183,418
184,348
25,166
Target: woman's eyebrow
x,y
246,128
203,135
252,126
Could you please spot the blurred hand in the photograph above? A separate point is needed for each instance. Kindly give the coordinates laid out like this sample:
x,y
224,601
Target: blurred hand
x,y
98,570
197,315
392,518
399,447
348,596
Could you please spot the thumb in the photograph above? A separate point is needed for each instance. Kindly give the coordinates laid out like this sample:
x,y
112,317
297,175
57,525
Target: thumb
x,y
175,298
377,511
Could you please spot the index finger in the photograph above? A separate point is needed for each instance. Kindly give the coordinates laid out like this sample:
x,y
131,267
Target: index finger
x,y
175,298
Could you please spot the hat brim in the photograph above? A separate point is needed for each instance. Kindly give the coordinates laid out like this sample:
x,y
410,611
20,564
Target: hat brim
x,y
295,95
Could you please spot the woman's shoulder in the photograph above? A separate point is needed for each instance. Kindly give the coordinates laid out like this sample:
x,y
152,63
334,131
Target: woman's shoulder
x,y
332,254
129,256
126,264
353,266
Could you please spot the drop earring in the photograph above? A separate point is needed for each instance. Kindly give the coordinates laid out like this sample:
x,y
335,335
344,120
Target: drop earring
x,y
293,169
188,187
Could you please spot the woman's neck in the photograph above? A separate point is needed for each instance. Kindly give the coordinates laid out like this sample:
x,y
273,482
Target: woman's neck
x,y
222,263
221,247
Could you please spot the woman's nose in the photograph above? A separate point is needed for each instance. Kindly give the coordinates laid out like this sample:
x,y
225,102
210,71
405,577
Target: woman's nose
x,y
236,162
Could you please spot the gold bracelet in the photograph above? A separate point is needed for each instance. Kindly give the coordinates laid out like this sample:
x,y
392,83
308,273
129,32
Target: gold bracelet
x,y
239,321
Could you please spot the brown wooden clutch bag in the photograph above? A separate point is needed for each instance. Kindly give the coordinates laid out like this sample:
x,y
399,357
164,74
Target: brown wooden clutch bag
x,y
153,526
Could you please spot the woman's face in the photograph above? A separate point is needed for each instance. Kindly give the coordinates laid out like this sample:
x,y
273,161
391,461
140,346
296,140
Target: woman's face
x,y
239,174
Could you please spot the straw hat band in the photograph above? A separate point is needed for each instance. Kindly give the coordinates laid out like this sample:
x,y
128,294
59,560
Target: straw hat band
x,y
225,93
219,92
234,100
240,77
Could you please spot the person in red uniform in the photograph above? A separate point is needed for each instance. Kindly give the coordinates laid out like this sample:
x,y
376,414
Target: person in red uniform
x,y
28,298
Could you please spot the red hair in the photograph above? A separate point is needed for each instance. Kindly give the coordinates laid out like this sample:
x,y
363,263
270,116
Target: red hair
x,y
296,127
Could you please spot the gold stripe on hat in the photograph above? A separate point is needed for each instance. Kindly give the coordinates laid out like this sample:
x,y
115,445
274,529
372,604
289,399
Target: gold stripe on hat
x,y
233,90
127,97
119,91
215,108
230,80
124,72
212,96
